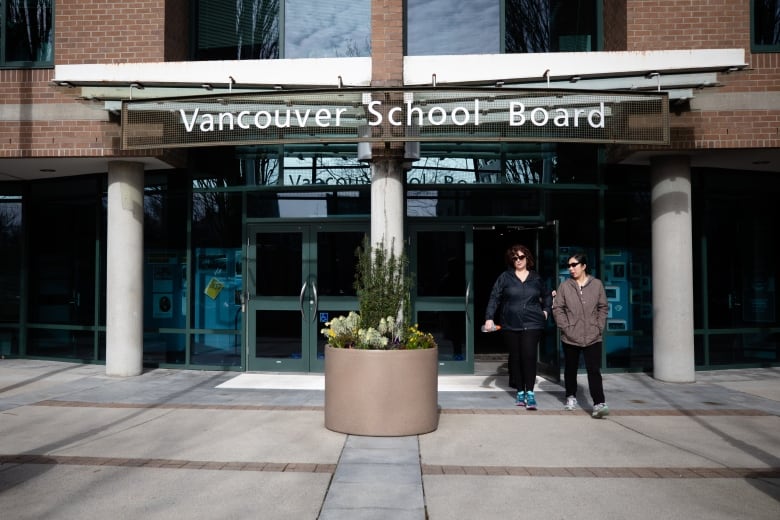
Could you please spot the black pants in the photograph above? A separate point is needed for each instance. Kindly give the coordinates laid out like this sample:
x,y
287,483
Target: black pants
x,y
592,355
522,346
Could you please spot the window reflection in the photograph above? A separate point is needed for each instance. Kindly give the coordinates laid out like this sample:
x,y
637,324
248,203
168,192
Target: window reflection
x,y
436,27
300,170
28,31
237,30
250,29
536,166
474,26
550,26
336,28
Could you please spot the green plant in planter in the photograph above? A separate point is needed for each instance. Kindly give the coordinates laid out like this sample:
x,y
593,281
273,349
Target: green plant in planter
x,y
383,289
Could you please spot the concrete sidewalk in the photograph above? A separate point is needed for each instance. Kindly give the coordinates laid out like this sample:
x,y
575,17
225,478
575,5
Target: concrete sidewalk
x,y
75,443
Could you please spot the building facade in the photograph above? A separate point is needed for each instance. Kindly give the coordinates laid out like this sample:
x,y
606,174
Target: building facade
x,y
209,252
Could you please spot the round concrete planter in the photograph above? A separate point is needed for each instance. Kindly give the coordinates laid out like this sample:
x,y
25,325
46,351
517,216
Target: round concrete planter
x,y
381,393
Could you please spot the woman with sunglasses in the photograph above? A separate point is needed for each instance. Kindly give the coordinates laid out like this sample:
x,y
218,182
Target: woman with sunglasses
x,y
580,311
525,304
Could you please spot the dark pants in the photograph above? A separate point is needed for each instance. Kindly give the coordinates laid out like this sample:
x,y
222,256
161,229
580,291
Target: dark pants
x,y
592,355
522,346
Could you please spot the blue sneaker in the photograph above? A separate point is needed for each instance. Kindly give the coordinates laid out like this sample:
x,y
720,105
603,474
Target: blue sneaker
x,y
520,399
530,401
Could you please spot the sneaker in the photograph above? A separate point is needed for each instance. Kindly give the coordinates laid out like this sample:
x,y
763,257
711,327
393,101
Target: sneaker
x,y
520,399
530,401
571,403
600,410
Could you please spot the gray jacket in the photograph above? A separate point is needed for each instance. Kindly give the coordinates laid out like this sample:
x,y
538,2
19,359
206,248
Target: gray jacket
x,y
581,314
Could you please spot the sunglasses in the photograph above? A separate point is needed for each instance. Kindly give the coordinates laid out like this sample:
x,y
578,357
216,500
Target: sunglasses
x,y
518,257
574,264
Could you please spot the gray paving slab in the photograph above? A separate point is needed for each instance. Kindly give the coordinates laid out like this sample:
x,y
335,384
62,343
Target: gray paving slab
x,y
41,492
462,497
377,477
560,441
225,435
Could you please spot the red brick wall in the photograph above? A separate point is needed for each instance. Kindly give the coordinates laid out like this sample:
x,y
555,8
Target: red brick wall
x,y
715,24
107,31
687,24
58,139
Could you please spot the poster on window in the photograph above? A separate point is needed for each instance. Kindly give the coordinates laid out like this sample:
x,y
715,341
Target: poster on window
x,y
213,288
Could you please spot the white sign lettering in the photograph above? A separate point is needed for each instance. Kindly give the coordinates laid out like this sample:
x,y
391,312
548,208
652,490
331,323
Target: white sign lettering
x,y
562,117
458,115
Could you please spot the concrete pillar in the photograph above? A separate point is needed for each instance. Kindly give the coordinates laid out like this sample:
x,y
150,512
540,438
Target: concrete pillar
x,y
387,204
125,282
673,353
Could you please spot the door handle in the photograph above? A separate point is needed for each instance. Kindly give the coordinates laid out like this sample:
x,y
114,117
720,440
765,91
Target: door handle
x,y
466,306
316,300
300,299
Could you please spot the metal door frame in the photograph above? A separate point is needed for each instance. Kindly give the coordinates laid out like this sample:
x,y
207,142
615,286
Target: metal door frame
x,y
308,302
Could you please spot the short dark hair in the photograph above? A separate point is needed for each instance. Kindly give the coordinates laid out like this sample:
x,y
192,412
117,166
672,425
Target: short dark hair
x,y
519,248
581,258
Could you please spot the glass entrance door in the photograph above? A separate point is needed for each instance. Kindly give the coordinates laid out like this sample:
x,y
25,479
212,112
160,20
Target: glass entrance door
x,y
454,268
490,242
299,277
442,259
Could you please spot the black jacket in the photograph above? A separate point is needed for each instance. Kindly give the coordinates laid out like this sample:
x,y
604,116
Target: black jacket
x,y
522,303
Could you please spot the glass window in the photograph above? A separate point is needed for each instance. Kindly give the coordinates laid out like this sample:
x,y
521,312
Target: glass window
x,y
523,163
26,33
165,266
452,27
297,166
550,26
627,270
301,170
766,25
477,27
336,28
216,278
10,267
257,29
63,229
237,30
